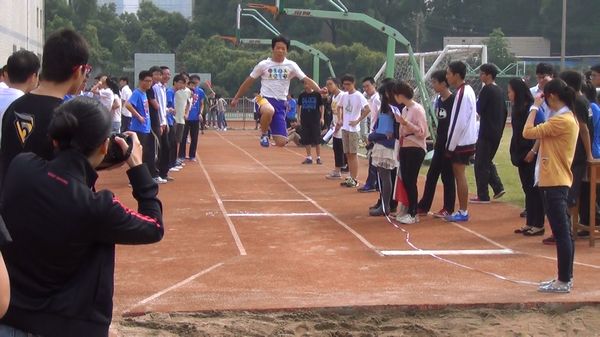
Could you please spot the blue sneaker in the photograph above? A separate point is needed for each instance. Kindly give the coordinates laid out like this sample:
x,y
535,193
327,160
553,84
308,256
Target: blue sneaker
x,y
264,141
457,217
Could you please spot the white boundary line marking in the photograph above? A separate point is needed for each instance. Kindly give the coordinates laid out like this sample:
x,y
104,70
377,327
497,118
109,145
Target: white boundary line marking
x,y
481,236
336,219
447,252
175,286
265,200
275,214
236,237
574,262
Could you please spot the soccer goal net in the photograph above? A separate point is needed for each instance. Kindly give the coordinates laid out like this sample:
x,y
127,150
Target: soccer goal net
x,y
473,55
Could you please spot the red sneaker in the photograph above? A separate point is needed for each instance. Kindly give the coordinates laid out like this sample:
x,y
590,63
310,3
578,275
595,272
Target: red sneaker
x,y
442,213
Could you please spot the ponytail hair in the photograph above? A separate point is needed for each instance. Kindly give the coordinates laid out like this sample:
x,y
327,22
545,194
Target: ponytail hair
x,y
559,88
81,124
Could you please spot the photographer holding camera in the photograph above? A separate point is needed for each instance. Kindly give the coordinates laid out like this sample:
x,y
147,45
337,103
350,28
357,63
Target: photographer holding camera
x,y
61,262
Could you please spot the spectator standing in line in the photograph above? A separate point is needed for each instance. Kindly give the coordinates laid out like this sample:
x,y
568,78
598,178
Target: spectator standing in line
x,y
374,99
115,111
155,123
523,156
492,112
25,122
192,123
125,93
22,69
558,140
160,92
333,87
140,123
353,108
310,114
383,154
182,107
413,132
439,164
291,109
462,135
221,107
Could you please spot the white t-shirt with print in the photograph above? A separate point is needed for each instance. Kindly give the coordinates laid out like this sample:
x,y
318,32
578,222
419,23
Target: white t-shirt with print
x,y
125,94
353,105
116,112
106,97
276,77
375,106
335,102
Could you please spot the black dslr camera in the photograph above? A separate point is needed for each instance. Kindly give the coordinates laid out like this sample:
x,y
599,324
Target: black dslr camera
x,y
115,155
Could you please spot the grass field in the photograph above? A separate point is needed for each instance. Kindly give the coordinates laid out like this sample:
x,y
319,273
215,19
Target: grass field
x,y
507,172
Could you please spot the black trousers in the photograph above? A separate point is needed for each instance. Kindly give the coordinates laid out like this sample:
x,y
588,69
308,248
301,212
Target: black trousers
x,y
172,146
192,128
533,196
125,123
485,170
439,166
148,152
411,159
164,154
338,152
555,204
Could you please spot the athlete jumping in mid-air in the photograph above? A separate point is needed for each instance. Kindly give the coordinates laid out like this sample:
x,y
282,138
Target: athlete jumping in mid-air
x,y
275,73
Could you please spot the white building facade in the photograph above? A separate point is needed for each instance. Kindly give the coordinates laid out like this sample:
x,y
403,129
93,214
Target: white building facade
x,y
21,27
184,7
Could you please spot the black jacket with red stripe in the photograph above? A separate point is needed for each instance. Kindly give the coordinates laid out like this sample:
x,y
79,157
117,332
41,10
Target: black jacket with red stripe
x,y
62,258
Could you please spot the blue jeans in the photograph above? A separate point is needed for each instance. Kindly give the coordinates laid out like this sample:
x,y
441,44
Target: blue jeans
x,y
557,212
8,331
221,123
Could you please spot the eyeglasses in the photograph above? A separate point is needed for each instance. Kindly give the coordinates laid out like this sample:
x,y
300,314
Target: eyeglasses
x,y
86,68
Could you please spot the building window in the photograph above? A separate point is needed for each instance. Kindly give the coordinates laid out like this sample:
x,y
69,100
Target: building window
x,y
37,20
14,48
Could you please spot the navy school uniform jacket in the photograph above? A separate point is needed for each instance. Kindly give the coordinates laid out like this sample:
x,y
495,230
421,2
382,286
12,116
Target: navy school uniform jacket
x,y
62,258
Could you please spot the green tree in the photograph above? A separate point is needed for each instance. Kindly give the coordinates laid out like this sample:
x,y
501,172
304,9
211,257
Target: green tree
x,y
498,49
151,42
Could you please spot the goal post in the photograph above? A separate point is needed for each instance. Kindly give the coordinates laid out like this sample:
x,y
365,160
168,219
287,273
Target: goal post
x,y
406,69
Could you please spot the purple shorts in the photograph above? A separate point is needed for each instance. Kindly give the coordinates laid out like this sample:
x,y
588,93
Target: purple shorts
x,y
278,126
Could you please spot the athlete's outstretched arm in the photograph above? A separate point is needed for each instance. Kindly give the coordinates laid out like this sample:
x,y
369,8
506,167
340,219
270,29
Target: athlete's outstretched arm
x,y
242,90
312,84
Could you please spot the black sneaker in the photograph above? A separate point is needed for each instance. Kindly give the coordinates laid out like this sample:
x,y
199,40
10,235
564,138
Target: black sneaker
x,y
345,169
523,214
534,231
307,161
319,162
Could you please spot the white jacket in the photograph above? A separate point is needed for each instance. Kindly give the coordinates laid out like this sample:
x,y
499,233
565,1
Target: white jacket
x,y
463,122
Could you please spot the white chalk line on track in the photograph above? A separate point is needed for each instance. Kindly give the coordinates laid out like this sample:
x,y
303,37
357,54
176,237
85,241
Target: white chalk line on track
x,y
175,286
236,237
265,200
336,219
447,252
258,215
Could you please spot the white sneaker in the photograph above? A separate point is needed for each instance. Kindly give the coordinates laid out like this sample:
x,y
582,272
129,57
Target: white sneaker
x,y
160,180
408,219
400,211
174,169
